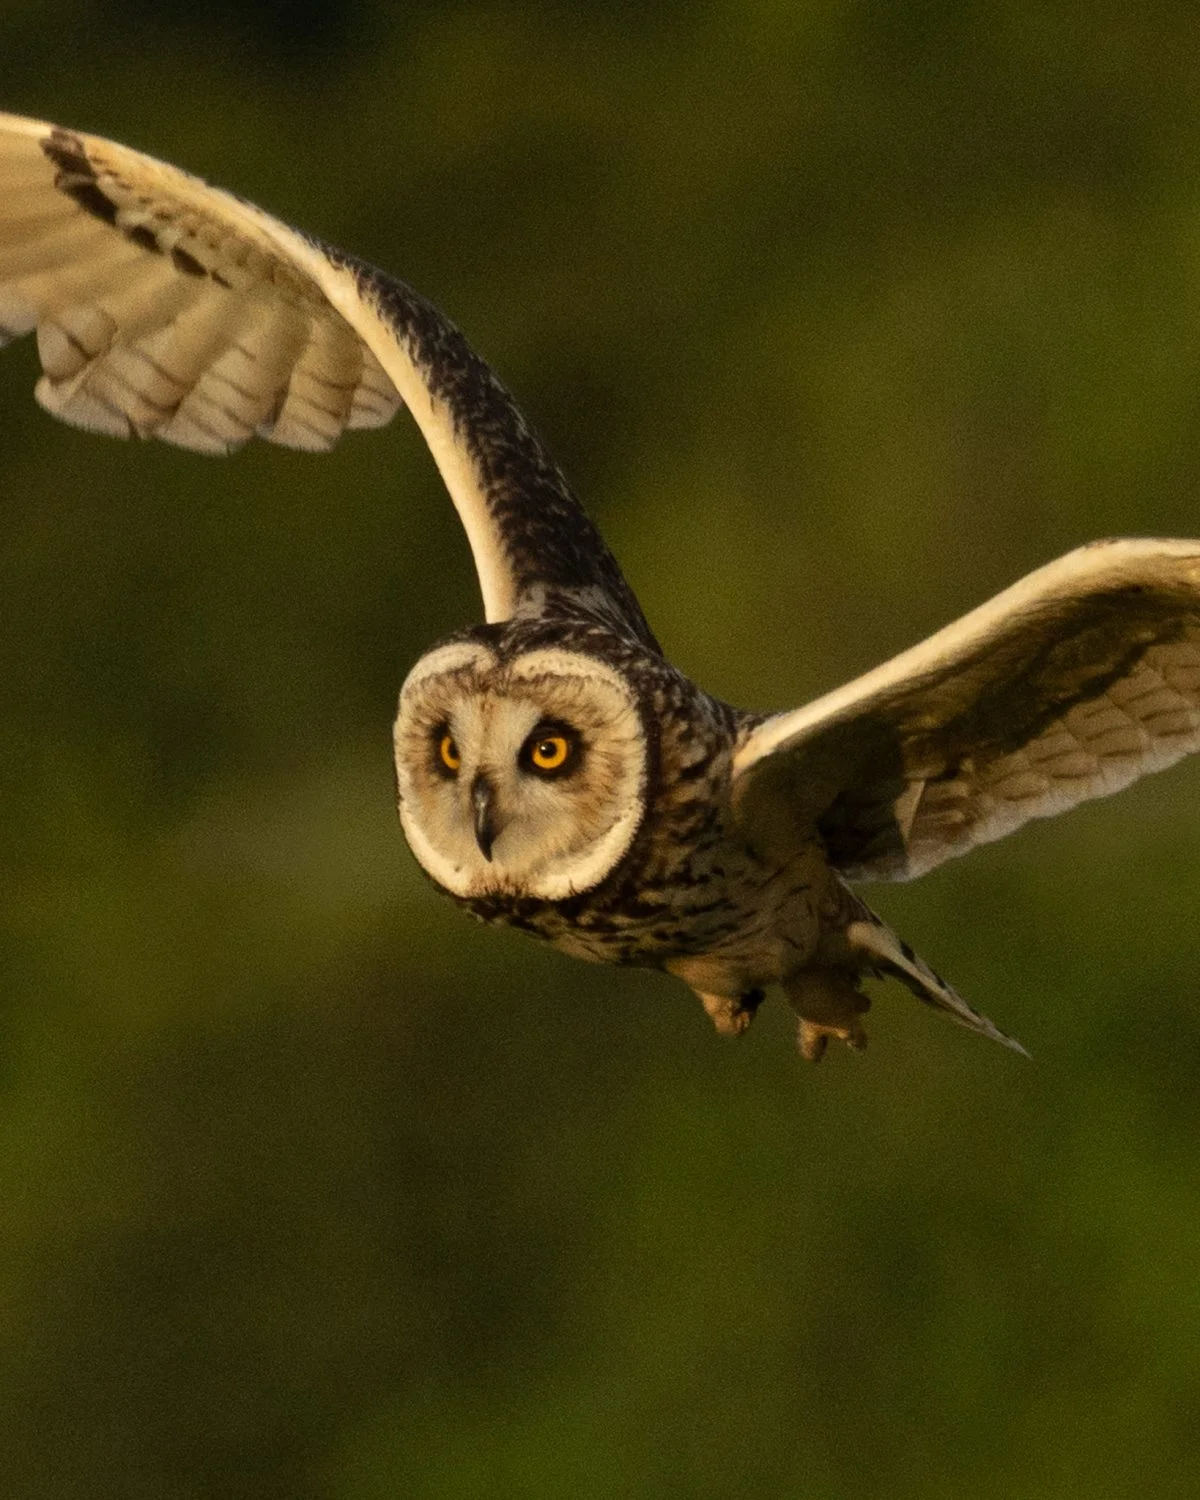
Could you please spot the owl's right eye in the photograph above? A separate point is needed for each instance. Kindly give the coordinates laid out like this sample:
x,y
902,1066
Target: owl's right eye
x,y
448,757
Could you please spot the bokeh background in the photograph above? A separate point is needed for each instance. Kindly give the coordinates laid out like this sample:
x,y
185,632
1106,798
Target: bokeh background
x,y
841,315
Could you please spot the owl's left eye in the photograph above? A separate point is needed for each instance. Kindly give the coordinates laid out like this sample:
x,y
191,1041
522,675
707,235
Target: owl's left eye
x,y
551,753
449,758
550,749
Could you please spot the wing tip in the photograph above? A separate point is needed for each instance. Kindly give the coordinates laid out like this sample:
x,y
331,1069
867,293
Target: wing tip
x,y
989,1029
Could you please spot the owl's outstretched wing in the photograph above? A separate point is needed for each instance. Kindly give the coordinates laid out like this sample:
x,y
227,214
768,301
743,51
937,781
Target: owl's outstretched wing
x,y
167,308
1070,685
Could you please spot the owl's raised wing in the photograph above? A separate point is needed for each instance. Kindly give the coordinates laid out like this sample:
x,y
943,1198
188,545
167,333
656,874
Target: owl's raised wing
x,y
167,308
1071,684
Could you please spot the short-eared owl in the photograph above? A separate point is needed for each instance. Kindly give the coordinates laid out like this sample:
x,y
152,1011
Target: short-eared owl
x,y
555,772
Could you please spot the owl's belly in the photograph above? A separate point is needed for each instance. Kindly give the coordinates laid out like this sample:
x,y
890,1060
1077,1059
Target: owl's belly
x,y
782,918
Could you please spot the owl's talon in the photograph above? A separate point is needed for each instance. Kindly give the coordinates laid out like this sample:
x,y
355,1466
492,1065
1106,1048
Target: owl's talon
x,y
812,1038
812,1041
732,1014
828,1004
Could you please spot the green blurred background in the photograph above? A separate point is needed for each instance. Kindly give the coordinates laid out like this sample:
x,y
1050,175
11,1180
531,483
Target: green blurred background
x,y
841,316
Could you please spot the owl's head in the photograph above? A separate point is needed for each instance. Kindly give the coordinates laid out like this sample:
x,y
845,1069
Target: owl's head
x,y
522,775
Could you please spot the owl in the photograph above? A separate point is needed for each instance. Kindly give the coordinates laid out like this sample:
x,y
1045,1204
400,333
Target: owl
x,y
555,772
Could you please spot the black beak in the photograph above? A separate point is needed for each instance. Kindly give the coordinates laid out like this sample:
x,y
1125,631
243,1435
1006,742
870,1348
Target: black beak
x,y
483,802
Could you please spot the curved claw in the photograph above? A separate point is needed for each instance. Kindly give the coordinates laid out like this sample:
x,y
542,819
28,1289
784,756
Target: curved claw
x,y
812,1038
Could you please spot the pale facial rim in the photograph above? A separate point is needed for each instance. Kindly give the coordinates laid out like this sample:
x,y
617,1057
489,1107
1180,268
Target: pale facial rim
x,y
607,851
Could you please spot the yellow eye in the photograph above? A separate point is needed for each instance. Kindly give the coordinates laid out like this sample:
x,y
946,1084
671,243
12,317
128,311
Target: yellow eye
x,y
550,754
448,753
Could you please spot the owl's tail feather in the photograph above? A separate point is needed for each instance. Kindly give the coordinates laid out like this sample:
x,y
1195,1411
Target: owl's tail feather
x,y
882,951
